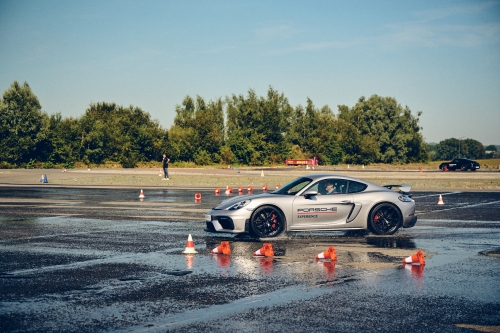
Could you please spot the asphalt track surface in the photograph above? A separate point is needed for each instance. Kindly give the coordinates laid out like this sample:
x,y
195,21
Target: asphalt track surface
x,y
101,260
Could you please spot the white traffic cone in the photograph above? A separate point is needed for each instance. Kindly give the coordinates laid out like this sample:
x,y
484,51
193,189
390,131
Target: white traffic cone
x,y
440,200
141,196
190,246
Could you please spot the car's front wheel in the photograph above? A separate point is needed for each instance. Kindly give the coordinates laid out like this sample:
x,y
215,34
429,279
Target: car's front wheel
x,y
267,221
385,219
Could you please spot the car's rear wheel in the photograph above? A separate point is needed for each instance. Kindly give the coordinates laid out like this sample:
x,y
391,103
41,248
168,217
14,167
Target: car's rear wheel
x,y
463,168
267,221
385,219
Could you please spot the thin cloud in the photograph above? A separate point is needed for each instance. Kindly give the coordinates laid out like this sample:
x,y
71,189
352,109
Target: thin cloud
x,y
424,34
275,32
437,14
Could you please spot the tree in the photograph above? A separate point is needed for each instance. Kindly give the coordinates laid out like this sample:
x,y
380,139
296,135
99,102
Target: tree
x,y
114,133
393,128
451,148
23,126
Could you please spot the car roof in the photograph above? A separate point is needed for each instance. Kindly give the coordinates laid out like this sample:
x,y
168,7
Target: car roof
x,y
320,176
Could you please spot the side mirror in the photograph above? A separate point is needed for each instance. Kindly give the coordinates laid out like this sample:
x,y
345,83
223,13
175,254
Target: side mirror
x,y
310,194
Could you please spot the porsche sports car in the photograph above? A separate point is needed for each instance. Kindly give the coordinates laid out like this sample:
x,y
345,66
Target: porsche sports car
x,y
463,164
317,202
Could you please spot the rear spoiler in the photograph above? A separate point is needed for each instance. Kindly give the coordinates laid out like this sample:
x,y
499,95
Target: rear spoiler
x,y
405,188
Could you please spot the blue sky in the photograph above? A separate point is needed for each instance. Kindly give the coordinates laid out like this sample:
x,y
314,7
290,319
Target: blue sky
x,y
438,57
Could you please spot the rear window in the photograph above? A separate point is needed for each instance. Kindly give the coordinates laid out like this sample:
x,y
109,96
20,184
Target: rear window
x,y
355,187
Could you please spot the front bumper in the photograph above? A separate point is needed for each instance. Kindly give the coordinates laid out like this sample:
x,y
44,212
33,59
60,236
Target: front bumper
x,y
228,221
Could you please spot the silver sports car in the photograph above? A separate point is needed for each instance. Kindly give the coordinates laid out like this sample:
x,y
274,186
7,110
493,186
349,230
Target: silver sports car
x,y
317,202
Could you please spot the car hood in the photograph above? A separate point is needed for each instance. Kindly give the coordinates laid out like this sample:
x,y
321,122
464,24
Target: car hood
x,y
231,201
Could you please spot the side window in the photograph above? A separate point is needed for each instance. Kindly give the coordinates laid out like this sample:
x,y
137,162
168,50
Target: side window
x,y
355,187
330,186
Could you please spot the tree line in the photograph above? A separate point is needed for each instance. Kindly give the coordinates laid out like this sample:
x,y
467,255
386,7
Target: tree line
x,y
239,129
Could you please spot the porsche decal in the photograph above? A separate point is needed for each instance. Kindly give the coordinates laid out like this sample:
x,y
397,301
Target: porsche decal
x,y
312,213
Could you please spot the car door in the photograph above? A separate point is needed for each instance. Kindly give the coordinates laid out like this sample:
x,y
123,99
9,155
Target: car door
x,y
455,164
322,211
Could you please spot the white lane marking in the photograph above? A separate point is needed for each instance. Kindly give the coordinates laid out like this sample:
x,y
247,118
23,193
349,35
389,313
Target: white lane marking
x,y
434,195
462,207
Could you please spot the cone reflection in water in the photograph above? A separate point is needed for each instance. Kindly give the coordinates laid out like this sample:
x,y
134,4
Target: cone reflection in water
x,y
190,246
329,267
189,261
328,254
265,251
416,270
223,261
266,263
416,259
223,248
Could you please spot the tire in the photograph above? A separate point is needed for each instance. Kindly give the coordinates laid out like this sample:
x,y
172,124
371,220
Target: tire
x,y
463,168
267,221
385,219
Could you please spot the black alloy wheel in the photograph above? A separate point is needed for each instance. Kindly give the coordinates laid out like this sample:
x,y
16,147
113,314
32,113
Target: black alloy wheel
x,y
267,221
463,168
385,219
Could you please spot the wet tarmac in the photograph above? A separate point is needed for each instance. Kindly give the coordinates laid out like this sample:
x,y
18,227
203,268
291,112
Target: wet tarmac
x,y
101,260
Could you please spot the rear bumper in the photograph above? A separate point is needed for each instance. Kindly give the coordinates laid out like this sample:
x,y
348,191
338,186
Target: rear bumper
x,y
410,221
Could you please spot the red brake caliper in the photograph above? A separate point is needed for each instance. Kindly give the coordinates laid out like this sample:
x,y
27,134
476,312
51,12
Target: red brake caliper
x,y
273,219
376,217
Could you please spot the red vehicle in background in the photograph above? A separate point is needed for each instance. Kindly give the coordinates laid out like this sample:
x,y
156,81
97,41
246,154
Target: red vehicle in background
x,y
312,161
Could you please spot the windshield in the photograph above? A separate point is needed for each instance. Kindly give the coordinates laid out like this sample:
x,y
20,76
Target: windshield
x,y
293,187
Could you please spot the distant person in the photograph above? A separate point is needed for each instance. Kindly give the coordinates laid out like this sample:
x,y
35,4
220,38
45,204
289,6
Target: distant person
x,y
165,166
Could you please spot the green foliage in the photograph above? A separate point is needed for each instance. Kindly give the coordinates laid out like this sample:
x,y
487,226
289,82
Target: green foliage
x,y
202,157
389,129
249,130
23,125
451,148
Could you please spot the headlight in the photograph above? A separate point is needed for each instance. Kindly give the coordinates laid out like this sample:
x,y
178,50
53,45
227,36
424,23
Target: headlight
x,y
239,205
404,198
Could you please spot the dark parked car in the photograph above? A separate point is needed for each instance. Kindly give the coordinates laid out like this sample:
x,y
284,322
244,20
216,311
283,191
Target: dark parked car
x,y
463,164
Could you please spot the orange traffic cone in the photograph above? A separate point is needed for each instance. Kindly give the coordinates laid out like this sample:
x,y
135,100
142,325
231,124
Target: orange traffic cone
x,y
266,250
190,246
264,188
278,186
420,169
223,248
197,197
328,254
440,200
250,189
141,196
160,174
416,259
229,190
240,189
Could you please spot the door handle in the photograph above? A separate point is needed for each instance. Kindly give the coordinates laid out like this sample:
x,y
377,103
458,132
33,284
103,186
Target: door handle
x,y
346,202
